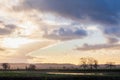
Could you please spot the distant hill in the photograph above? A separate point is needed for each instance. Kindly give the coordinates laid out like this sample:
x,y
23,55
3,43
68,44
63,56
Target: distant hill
x,y
47,66
41,66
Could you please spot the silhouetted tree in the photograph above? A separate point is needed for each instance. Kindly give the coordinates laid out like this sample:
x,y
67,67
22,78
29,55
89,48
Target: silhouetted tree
x,y
89,62
92,63
110,65
5,66
95,64
32,67
83,63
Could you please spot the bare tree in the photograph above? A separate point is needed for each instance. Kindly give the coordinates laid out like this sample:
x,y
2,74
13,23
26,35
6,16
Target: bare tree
x,y
83,62
95,64
110,65
5,66
92,63
89,62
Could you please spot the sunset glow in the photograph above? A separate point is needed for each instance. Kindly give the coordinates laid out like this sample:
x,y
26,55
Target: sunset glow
x,y
15,42
59,31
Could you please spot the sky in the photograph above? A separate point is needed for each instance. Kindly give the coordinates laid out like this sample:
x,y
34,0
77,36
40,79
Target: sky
x,y
59,31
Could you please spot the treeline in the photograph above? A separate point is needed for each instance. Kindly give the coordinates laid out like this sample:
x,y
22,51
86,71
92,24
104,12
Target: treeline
x,y
85,63
91,63
6,66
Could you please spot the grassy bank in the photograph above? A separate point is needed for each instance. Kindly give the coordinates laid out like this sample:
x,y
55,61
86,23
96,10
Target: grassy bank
x,y
43,75
62,78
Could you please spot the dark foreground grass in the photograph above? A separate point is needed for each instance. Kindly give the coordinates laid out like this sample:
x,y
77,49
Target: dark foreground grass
x,y
62,78
36,75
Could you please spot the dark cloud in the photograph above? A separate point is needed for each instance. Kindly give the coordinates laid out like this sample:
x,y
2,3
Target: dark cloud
x,y
112,40
65,34
113,31
87,47
103,11
4,31
7,29
10,26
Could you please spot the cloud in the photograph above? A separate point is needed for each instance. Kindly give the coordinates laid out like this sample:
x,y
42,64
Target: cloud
x,y
87,47
113,31
54,15
112,40
6,29
35,60
28,48
103,11
65,34
6,54
22,54
2,49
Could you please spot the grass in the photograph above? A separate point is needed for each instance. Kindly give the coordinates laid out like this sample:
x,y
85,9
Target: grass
x,y
21,74
42,75
27,74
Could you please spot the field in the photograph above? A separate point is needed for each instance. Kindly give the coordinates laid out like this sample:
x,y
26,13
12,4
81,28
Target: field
x,y
69,75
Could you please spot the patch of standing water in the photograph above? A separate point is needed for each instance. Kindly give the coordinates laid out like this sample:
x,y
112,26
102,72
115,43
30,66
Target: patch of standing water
x,y
61,73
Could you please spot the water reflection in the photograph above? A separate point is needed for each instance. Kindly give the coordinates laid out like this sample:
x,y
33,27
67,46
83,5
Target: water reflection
x,y
74,73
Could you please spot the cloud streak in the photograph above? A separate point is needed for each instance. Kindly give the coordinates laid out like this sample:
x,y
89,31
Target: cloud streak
x,y
87,47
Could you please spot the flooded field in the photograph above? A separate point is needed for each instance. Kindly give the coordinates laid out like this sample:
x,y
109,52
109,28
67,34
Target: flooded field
x,y
59,75
63,73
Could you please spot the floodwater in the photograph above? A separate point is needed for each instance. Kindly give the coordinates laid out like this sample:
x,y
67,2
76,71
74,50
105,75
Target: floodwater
x,y
63,73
